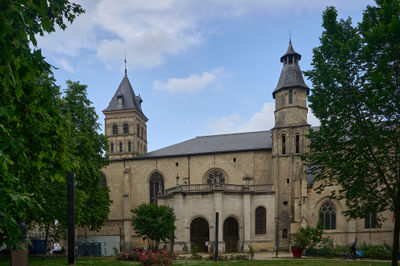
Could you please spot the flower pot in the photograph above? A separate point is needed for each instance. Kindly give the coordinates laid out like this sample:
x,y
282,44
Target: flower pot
x,y
297,252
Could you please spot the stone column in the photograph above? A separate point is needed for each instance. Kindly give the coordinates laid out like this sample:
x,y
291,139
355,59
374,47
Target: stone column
x,y
218,208
126,208
247,222
181,231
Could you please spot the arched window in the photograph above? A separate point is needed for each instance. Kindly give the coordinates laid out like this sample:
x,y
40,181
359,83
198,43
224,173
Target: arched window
x,y
112,148
115,129
215,176
297,144
126,128
290,96
121,147
137,129
327,215
261,220
283,144
129,146
142,133
156,185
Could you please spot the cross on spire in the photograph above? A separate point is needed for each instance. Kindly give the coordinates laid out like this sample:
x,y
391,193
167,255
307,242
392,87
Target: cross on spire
x,y
125,64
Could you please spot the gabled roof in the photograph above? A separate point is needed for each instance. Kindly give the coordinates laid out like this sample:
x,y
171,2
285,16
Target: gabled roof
x,y
129,99
291,76
261,140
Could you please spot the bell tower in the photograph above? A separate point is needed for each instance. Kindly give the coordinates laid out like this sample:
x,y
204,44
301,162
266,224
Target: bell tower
x,y
289,142
125,123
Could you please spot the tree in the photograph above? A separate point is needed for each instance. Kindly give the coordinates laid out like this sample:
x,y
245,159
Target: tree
x,y
156,223
356,96
86,148
87,152
33,138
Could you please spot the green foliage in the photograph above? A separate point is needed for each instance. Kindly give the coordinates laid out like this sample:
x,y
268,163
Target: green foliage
x,y
383,252
251,251
86,153
307,237
313,234
356,96
32,127
156,223
299,240
327,243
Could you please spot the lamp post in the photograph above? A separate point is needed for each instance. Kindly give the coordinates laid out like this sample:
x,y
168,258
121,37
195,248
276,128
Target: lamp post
x,y
71,218
276,236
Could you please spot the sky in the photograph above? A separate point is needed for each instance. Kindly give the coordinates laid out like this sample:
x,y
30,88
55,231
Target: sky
x,y
202,67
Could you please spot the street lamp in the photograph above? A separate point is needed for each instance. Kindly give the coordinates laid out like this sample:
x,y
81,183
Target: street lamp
x,y
276,236
71,217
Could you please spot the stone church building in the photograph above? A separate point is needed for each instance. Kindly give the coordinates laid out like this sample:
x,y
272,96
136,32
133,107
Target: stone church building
x,y
255,181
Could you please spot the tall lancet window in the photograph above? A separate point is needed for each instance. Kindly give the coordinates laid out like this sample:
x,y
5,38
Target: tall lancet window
x,y
297,143
290,96
283,144
156,183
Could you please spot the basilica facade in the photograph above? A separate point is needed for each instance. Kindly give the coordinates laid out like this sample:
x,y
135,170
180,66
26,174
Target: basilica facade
x,y
255,181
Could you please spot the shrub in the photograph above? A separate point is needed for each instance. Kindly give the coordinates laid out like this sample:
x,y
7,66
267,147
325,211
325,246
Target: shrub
x,y
194,251
251,251
376,252
148,257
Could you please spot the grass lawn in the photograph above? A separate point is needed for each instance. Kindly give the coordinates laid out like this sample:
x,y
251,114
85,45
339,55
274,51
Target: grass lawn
x,y
113,261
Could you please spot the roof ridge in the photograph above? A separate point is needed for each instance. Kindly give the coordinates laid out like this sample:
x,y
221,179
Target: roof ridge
x,y
237,133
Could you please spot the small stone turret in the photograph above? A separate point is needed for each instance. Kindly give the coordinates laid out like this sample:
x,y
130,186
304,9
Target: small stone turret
x,y
291,92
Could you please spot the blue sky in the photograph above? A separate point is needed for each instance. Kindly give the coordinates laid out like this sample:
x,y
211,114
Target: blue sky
x,y
201,67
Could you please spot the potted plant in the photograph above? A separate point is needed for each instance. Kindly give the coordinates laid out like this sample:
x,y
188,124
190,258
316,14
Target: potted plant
x,y
299,242
306,237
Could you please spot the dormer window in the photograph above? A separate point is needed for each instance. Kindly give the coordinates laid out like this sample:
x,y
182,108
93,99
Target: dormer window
x,y
119,99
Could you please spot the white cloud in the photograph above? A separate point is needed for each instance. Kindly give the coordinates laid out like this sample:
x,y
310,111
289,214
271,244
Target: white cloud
x,y
190,84
263,120
150,30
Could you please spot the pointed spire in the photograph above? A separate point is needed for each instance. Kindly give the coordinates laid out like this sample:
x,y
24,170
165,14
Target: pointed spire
x,y
291,76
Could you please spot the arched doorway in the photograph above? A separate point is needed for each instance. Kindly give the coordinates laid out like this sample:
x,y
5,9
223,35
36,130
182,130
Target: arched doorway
x,y
231,234
199,234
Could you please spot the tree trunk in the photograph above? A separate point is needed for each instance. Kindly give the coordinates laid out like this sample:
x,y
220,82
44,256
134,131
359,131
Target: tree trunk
x,y
395,249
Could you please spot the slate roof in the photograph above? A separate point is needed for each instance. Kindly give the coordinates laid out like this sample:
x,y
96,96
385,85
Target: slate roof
x,y
130,100
291,76
290,51
260,140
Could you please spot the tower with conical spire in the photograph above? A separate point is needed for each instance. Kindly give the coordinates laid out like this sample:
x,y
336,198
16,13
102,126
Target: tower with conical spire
x,y
125,122
288,137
